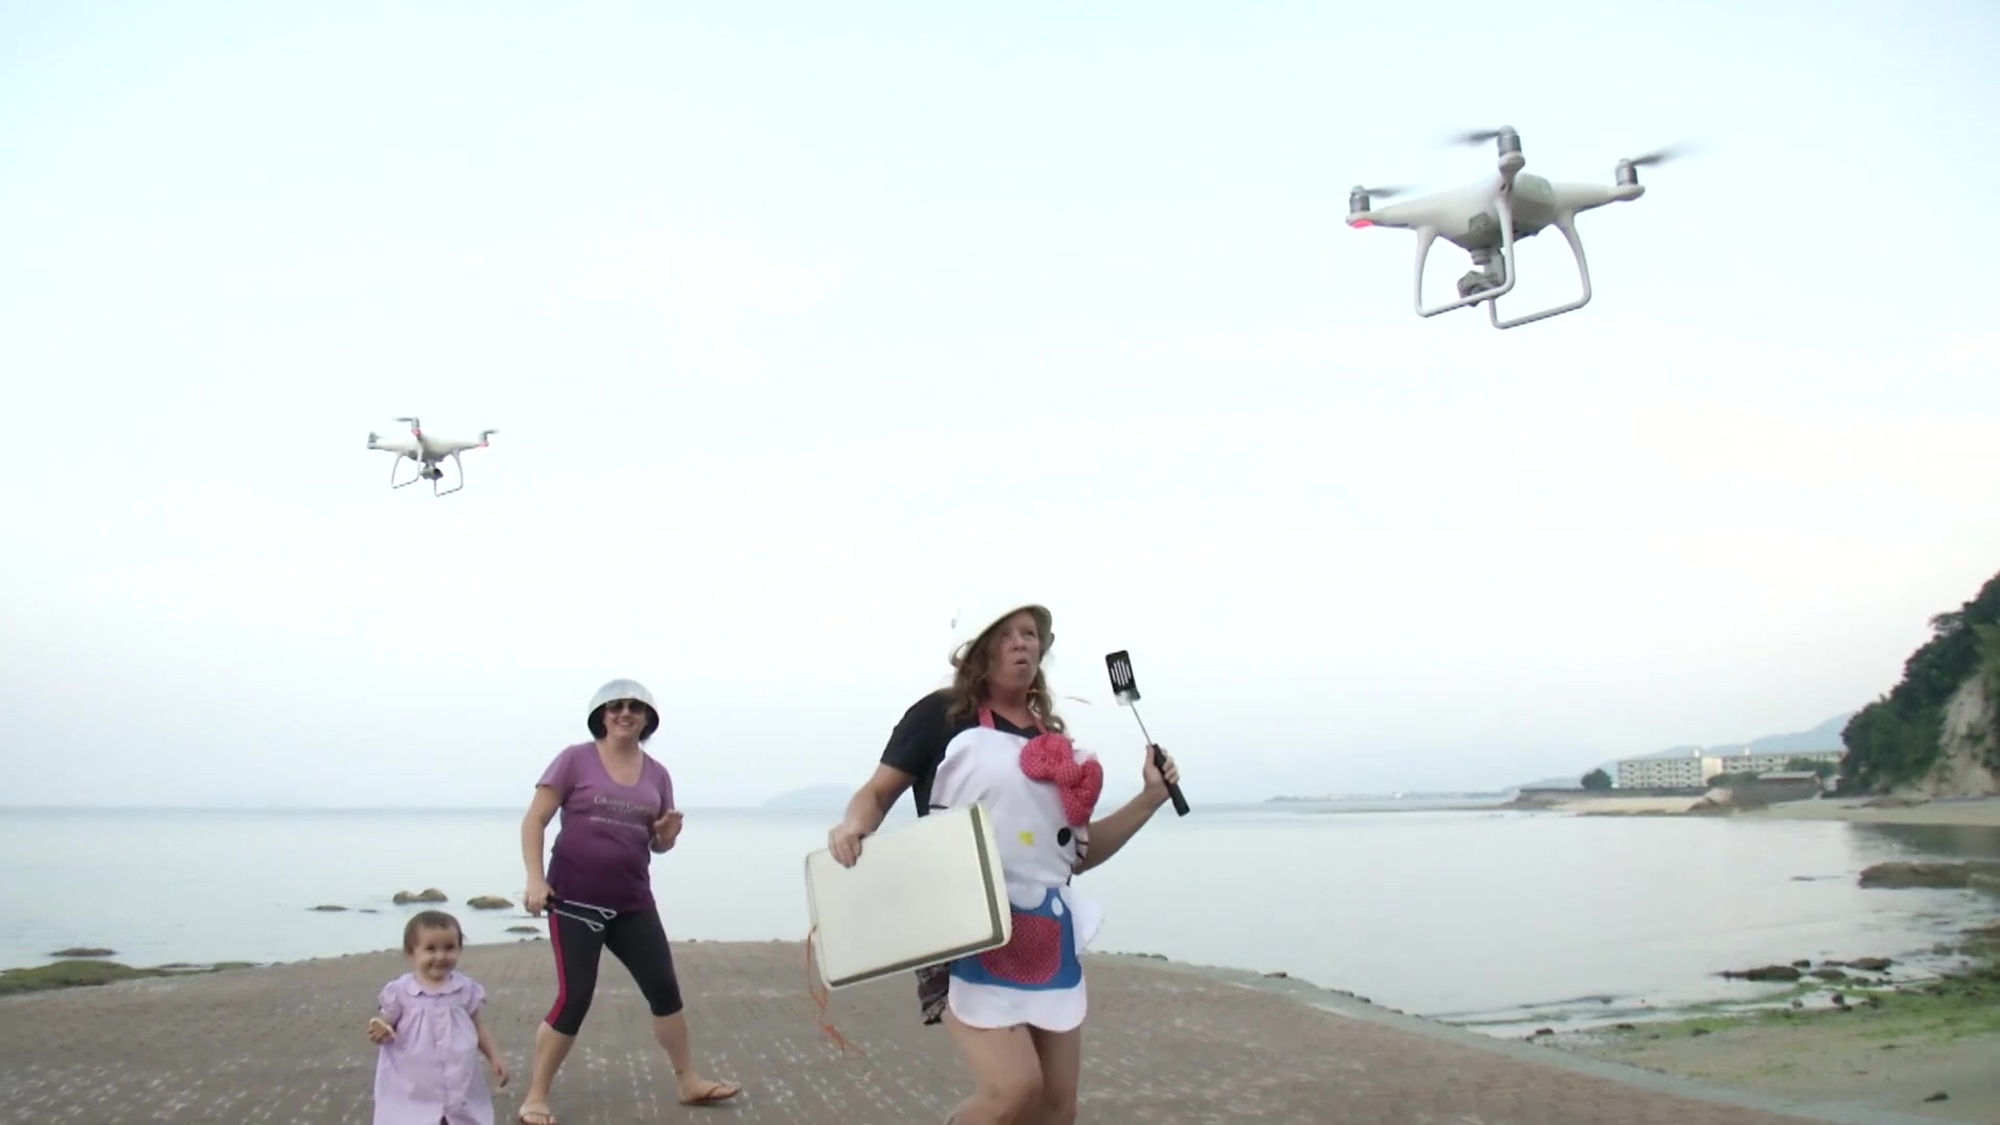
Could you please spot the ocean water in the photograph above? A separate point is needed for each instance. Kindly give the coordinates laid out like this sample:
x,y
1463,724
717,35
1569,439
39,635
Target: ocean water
x,y
1484,916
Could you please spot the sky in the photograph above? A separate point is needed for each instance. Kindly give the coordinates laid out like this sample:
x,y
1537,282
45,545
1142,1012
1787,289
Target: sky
x,y
802,325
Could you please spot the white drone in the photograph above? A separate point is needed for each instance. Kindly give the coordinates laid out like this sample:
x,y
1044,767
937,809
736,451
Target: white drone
x,y
429,454
1486,219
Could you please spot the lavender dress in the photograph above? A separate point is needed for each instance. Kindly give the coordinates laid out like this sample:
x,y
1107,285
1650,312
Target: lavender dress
x,y
432,1070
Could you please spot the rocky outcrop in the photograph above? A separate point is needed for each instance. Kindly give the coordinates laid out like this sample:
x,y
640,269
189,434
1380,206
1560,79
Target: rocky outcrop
x,y
488,902
428,894
1828,970
1960,770
1976,873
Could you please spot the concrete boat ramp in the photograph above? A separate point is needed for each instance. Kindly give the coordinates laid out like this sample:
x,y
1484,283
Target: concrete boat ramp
x,y
285,1044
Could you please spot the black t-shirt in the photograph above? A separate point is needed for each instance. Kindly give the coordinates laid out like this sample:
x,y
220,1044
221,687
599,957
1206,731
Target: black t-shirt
x,y
917,744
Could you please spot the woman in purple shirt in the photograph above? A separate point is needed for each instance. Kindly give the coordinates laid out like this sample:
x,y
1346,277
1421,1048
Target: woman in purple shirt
x,y
617,804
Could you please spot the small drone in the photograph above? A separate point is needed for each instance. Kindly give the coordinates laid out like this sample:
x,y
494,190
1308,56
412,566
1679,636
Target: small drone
x,y
429,454
1486,219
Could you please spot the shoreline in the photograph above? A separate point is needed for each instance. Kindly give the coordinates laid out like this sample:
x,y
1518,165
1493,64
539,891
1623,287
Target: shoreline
x,y
1956,812
188,1047
1924,1047
1874,1036
1866,1036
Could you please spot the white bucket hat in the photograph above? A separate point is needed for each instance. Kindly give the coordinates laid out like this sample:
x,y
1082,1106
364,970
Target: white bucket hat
x,y
614,691
970,624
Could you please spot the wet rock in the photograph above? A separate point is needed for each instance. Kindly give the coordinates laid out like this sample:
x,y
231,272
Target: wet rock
x,y
488,902
1765,972
524,929
326,907
428,894
84,951
1927,873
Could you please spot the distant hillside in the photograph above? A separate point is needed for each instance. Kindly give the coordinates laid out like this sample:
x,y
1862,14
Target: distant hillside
x,y
813,797
1575,782
1901,739
1825,736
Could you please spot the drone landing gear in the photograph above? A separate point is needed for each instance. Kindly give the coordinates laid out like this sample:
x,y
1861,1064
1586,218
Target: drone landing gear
x,y
431,471
1567,226
397,464
437,474
1494,272
1482,284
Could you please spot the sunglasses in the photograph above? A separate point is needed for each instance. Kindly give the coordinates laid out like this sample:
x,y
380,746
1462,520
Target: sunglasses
x,y
619,706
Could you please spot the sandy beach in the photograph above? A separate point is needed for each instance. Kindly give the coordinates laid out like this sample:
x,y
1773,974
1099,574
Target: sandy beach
x,y
1970,812
1974,812
1622,806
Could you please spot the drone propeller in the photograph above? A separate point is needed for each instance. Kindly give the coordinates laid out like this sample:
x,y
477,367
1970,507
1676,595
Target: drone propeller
x,y
1627,169
1477,136
1661,155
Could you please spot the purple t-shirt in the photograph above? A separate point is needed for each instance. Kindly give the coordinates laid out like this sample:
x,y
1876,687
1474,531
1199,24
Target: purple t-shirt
x,y
603,854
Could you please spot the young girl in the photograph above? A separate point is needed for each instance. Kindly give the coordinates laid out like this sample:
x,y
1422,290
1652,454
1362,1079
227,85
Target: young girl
x,y
427,1031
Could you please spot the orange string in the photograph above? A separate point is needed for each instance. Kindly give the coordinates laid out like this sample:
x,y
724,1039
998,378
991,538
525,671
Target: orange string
x,y
820,997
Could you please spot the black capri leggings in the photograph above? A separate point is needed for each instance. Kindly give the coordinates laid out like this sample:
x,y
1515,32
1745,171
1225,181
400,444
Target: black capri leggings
x,y
636,938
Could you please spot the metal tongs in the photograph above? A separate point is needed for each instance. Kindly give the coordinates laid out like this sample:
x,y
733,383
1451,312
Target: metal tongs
x,y
572,910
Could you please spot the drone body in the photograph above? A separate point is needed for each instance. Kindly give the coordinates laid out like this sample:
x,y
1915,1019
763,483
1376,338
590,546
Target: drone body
x,y
1487,218
429,453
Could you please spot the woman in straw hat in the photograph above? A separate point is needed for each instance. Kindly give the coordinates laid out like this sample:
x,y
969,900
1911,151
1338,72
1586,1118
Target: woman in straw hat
x,y
994,737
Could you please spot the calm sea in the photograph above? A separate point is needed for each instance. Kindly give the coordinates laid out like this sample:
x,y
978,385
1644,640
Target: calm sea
x,y
1482,916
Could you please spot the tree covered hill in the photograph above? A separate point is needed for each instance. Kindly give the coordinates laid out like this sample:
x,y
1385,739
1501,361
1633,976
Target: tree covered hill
x,y
1899,737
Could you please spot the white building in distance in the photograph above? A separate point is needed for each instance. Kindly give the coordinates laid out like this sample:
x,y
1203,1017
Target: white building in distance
x,y
1696,768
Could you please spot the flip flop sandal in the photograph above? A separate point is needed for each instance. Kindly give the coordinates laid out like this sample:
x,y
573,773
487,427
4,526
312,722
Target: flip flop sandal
x,y
714,1093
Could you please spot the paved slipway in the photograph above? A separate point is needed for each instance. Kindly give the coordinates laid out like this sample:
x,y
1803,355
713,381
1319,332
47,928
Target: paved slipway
x,y
1166,1043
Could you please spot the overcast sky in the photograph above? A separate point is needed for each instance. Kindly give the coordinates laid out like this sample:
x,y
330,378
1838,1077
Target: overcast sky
x,y
802,323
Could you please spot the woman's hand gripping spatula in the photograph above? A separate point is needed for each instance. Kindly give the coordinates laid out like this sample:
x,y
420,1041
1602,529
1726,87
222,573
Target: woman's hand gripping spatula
x,y
1126,688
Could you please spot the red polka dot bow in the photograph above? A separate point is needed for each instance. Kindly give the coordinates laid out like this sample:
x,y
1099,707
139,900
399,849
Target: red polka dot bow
x,y
1051,757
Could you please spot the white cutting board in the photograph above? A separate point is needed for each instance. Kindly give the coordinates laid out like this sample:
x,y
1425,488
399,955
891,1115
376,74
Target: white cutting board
x,y
922,894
